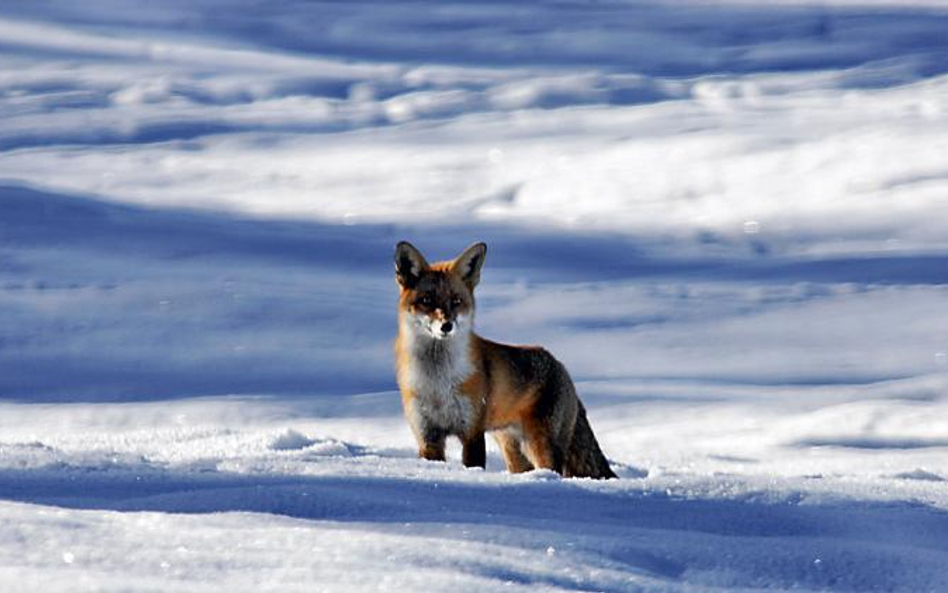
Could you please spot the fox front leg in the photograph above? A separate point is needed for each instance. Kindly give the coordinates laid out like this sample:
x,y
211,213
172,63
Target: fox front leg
x,y
431,444
474,452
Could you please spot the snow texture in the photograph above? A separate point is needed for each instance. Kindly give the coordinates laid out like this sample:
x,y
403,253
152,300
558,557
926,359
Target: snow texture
x,y
726,218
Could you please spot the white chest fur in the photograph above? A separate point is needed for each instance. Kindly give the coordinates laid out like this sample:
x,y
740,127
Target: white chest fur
x,y
434,370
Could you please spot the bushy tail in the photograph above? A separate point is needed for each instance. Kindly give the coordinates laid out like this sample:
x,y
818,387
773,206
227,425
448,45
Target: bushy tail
x,y
584,458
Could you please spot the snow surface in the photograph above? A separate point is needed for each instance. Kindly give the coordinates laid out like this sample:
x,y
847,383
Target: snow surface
x,y
728,219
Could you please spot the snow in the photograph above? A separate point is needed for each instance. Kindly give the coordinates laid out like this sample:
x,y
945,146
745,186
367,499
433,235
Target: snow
x,y
726,218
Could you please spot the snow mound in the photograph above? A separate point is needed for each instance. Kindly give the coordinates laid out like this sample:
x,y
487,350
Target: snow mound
x,y
920,474
291,440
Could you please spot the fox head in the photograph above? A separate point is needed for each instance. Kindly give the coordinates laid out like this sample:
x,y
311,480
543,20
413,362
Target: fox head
x,y
437,300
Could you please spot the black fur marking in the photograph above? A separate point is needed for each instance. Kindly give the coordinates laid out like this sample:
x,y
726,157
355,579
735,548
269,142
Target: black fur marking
x,y
434,435
488,370
409,264
475,452
559,457
403,269
549,395
584,458
472,267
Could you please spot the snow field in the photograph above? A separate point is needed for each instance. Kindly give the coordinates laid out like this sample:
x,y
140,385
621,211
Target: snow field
x,y
725,218
706,514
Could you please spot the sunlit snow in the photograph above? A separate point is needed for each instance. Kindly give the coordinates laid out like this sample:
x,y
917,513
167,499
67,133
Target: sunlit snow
x,y
727,218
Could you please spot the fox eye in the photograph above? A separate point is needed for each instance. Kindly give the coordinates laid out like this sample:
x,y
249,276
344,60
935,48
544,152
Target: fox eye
x,y
426,300
456,301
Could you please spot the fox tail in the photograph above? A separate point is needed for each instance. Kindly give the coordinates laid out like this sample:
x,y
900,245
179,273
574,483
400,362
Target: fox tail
x,y
584,459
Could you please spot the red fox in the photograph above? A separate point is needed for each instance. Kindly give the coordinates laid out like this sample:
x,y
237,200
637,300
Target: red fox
x,y
455,383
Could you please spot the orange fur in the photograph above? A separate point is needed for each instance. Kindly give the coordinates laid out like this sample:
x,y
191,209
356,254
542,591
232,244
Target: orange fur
x,y
456,383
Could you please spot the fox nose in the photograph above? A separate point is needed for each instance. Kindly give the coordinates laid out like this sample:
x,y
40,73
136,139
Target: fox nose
x,y
446,327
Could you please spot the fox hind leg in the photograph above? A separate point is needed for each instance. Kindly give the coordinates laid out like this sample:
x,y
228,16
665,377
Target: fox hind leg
x,y
548,427
542,449
511,447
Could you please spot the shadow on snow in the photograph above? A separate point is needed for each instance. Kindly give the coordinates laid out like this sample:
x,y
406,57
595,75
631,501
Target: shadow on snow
x,y
105,302
858,543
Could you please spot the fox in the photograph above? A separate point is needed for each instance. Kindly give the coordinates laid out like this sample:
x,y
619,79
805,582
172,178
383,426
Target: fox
x,y
455,383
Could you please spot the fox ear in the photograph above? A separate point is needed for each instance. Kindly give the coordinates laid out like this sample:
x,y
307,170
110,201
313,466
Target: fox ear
x,y
409,264
468,264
